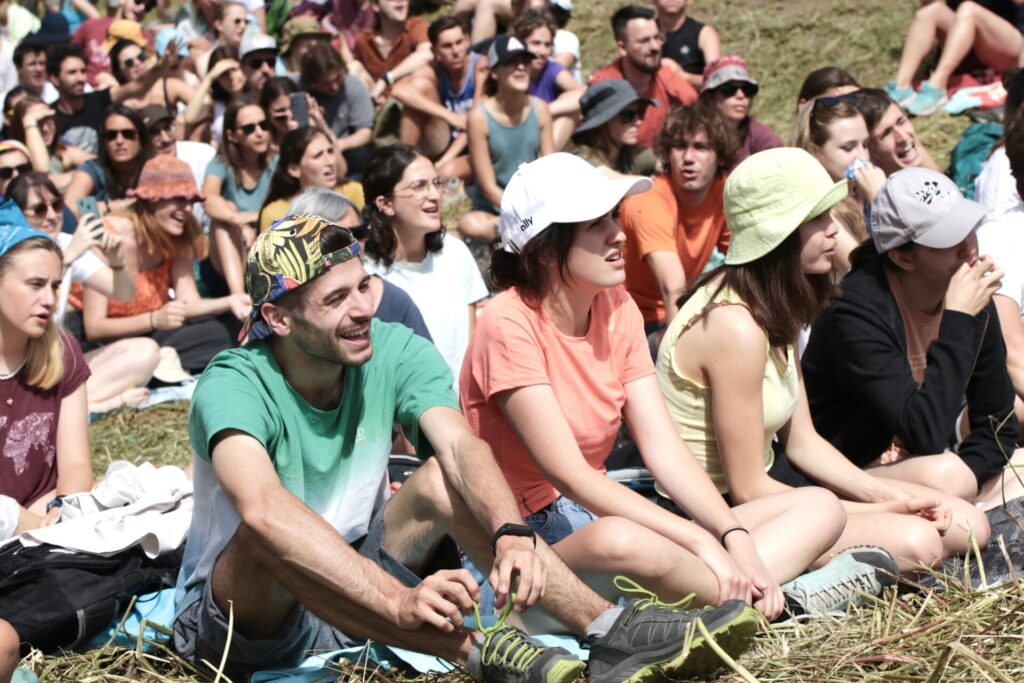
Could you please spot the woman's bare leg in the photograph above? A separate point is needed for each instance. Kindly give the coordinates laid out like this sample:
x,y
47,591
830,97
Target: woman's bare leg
x,y
996,42
931,22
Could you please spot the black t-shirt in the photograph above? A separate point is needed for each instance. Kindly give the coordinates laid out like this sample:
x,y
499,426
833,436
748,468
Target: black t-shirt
x,y
682,47
82,129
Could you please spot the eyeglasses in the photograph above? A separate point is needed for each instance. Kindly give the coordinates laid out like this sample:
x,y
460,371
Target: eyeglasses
x,y
631,115
733,87
255,63
39,210
420,187
8,172
250,128
129,134
132,61
833,100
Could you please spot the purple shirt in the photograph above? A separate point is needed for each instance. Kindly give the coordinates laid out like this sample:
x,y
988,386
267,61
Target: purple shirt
x,y
545,88
759,137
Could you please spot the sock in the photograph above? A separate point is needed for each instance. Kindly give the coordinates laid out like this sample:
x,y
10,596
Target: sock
x,y
602,624
473,665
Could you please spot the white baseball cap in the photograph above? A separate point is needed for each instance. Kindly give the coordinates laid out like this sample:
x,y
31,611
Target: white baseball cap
x,y
558,188
924,207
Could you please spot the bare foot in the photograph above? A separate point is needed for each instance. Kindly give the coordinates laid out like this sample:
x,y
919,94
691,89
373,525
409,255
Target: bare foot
x,y
135,397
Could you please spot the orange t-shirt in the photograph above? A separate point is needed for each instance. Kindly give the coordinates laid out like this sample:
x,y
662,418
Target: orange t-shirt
x,y
414,33
668,87
152,291
656,221
517,346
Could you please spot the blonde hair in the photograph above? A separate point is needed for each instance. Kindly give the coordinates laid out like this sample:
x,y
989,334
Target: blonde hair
x,y
44,356
811,128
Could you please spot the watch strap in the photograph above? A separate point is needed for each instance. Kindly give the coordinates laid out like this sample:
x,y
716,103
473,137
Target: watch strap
x,y
513,530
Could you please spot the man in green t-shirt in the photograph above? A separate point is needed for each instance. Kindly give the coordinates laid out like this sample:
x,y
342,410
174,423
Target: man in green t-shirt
x,y
291,537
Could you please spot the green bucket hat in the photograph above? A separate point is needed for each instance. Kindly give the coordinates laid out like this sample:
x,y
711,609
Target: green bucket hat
x,y
770,194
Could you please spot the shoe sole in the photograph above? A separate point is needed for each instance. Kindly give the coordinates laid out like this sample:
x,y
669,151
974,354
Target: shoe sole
x,y
732,636
930,110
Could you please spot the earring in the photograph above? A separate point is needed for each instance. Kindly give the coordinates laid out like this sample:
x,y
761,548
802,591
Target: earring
x,y
389,212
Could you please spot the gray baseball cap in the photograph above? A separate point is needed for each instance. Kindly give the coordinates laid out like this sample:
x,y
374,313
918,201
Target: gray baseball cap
x,y
924,207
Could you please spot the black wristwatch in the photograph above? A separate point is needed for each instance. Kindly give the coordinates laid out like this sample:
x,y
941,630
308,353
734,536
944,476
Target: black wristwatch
x,y
512,530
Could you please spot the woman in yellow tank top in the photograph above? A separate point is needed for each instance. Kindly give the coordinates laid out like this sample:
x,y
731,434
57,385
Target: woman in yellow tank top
x,y
728,371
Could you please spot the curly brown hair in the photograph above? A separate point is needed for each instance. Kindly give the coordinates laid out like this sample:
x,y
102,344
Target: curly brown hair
x,y
699,117
531,20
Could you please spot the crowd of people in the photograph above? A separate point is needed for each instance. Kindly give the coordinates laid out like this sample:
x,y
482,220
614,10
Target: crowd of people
x,y
814,346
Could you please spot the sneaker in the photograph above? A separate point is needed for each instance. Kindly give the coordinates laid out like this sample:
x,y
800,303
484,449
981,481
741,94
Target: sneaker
x,y
901,96
507,655
652,640
857,571
929,100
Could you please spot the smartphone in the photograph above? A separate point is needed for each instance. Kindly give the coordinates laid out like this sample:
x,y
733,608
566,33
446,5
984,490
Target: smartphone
x,y
86,206
300,108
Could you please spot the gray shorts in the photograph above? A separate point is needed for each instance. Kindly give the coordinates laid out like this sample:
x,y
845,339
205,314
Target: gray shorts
x,y
201,630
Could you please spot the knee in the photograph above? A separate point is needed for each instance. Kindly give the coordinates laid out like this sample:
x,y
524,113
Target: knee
x,y
9,646
615,539
825,508
433,496
930,12
922,545
968,10
951,475
146,353
977,525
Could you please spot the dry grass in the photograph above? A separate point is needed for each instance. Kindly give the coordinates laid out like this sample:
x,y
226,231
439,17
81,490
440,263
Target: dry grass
x,y
956,635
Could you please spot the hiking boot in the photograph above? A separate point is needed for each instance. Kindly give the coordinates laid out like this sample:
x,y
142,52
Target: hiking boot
x,y
901,96
929,99
651,639
857,571
507,655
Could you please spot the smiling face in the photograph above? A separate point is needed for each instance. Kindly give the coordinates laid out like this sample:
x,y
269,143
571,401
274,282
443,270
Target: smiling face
x,y
847,142
317,166
595,260
540,43
32,72
232,25
893,142
43,210
513,74
132,62
72,78
693,163
329,320
415,202
232,80
171,214
818,244
29,282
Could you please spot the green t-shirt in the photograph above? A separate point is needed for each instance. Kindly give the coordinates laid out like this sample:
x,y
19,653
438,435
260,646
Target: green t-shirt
x,y
335,460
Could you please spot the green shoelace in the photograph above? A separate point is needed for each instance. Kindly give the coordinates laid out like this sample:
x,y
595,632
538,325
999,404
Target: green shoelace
x,y
516,652
646,598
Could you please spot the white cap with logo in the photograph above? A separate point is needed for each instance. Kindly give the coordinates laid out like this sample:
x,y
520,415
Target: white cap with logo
x,y
924,207
558,188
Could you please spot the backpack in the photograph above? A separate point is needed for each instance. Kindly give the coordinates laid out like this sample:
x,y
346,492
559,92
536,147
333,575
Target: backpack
x,y
970,154
59,598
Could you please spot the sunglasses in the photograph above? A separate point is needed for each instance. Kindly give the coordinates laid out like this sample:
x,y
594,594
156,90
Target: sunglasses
x,y
833,100
730,89
8,172
631,115
420,187
256,62
250,128
129,134
132,61
39,210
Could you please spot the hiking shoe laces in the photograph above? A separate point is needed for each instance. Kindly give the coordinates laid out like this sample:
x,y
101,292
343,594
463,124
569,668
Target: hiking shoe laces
x,y
507,655
851,575
652,639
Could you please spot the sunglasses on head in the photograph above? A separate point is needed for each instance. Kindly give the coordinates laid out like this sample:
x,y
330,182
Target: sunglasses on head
x,y
8,172
132,61
129,134
250,128
833,100
39,210
733,87
256,62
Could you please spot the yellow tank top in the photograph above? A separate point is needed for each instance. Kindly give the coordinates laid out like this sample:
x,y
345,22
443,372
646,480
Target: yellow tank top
x,y
689,401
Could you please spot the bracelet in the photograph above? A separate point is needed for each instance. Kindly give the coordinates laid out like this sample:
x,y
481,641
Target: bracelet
x,y
152,325
729,531
388,78
31,126
55,503
113,267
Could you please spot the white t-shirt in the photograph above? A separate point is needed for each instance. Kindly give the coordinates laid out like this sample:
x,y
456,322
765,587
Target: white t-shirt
x,y
441,286
1001,237
995,187
83,268
566,41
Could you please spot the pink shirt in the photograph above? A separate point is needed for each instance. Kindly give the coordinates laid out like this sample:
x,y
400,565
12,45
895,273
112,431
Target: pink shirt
x,y
517,346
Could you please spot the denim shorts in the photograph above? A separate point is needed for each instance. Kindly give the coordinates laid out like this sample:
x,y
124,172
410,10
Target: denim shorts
x,y
201,629
558,519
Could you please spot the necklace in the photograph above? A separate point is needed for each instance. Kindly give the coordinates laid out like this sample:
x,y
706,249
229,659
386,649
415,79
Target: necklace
x,y
11,375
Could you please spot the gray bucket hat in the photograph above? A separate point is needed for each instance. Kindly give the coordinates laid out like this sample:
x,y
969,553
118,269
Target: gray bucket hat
x,y
605,99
